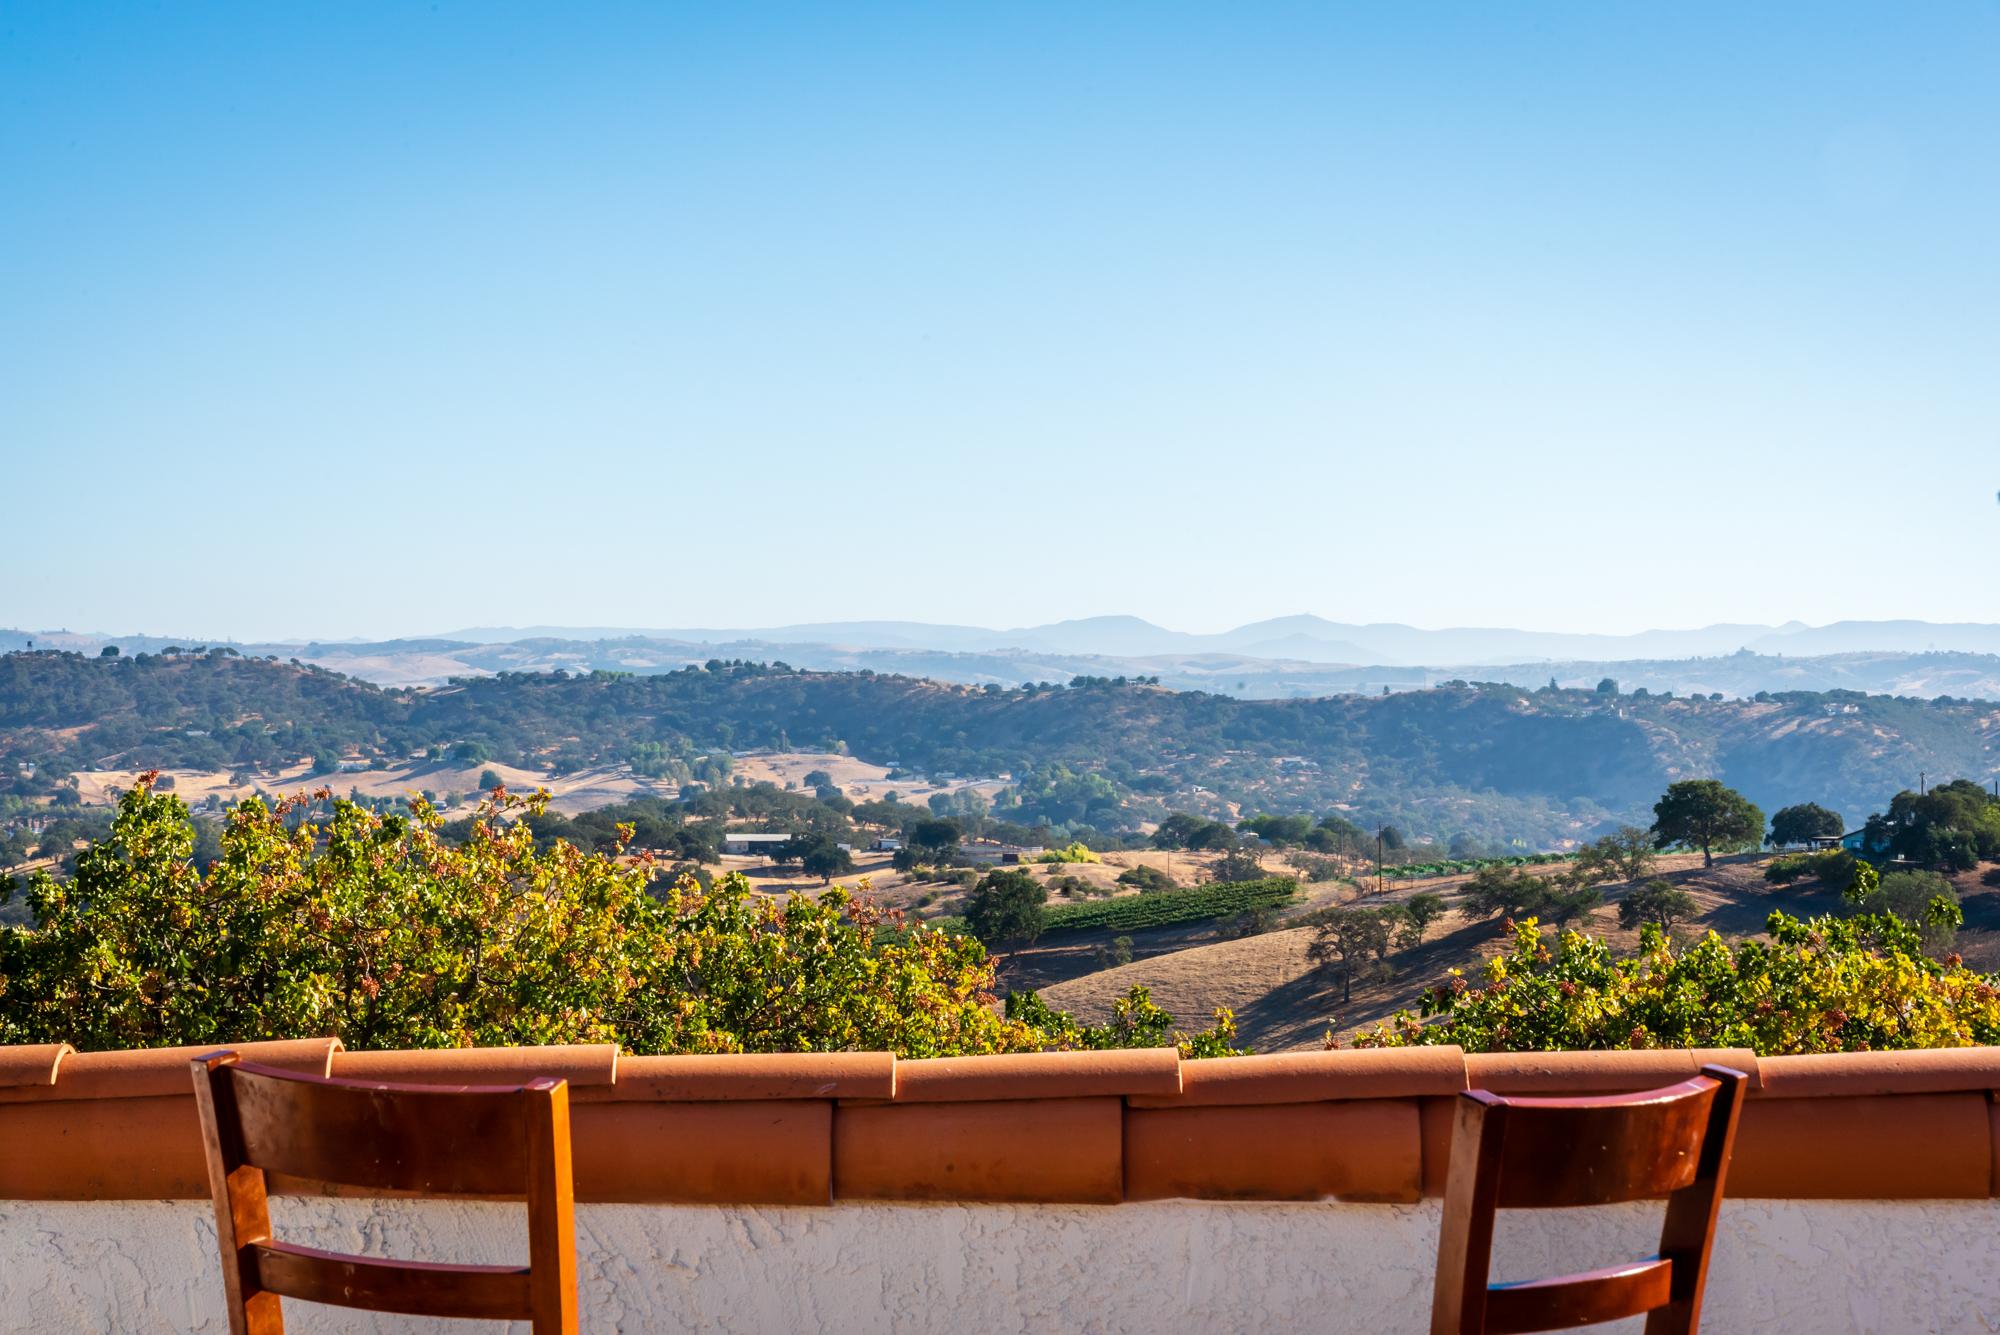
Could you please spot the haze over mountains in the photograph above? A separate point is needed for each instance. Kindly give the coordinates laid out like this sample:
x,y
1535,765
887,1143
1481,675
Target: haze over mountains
x,y
1315,639
1287,658
1499,763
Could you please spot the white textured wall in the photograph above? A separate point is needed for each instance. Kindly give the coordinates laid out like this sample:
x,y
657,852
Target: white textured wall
x,y
1177,1267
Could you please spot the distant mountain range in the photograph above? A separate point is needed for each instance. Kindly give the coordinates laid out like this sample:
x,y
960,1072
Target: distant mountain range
x,y
1287,658
1496,762
1314,639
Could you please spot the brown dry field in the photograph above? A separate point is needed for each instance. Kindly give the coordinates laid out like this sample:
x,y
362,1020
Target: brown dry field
x,y
571,794
857,778
1282,1003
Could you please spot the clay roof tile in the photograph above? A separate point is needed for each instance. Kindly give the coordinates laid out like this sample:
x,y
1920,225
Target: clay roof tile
x,y
1315,1077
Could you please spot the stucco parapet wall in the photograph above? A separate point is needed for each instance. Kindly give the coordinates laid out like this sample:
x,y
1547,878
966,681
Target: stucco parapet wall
x,y
1055,1128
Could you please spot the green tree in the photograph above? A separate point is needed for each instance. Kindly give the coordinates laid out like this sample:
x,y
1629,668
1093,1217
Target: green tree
x,y
1495,890
818,855
1197,833
1419,912
1569,899
1804,823
1626,854
1660,903
1954,825
374,928
1924,899
1829,985
1704,814
1352,940
1238,865
1147,880
1280,830
1007,908
933,842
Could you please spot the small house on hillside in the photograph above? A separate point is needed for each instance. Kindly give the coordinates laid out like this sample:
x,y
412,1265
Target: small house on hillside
x,y
984,851
734,841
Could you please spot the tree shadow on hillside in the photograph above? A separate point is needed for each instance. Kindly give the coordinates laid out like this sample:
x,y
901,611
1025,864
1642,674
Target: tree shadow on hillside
x,y
1299,1013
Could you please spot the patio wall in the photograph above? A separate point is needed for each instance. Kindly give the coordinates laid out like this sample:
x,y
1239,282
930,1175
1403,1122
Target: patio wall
x,y
1074,1191
1186,1267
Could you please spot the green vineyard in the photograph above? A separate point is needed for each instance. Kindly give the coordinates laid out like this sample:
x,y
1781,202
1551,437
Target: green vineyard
x,y
1130,913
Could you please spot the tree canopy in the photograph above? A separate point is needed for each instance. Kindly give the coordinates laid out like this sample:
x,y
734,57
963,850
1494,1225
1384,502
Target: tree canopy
x,y
1007,908
1705,814
1955,825
374,928
1829,985
1804,823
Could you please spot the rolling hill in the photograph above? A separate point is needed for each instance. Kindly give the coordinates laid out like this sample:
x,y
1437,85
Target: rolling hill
x,y
1497,761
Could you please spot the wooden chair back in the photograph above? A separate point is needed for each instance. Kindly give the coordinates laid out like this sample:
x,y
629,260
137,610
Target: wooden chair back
x,y
430,1140
1535,1154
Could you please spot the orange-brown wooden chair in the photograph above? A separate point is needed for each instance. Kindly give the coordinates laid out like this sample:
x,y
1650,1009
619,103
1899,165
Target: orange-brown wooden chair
x,y
430,1140
1534,1154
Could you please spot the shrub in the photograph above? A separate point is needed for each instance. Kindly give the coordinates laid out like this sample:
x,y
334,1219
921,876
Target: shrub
x,y
1826,985
1136,1022
374,928
1253,921
1658,904
1148,880
1311,867
1923,898
1069,853
1834,868
1236,866
1789,868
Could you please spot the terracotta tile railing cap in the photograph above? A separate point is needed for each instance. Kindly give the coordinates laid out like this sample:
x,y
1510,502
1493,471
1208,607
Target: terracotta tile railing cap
x,y
1926,1071
1598,1072
33,1066
1313,1077
1039,1075
741,1077
136,1073
581,1064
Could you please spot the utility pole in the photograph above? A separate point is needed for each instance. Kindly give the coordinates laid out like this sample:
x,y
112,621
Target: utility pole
x,y
1923,787
1378,859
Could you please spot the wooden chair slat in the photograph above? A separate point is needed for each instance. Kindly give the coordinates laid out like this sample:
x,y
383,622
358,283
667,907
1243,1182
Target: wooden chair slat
x,y
1558,1153
1561,1153
1610,1294
383,1137
412,1288
418,1138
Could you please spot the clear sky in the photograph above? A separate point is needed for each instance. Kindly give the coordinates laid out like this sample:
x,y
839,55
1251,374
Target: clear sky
x,y
373,320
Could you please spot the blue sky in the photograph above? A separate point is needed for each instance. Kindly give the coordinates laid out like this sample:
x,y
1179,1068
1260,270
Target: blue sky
x,y
344,320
